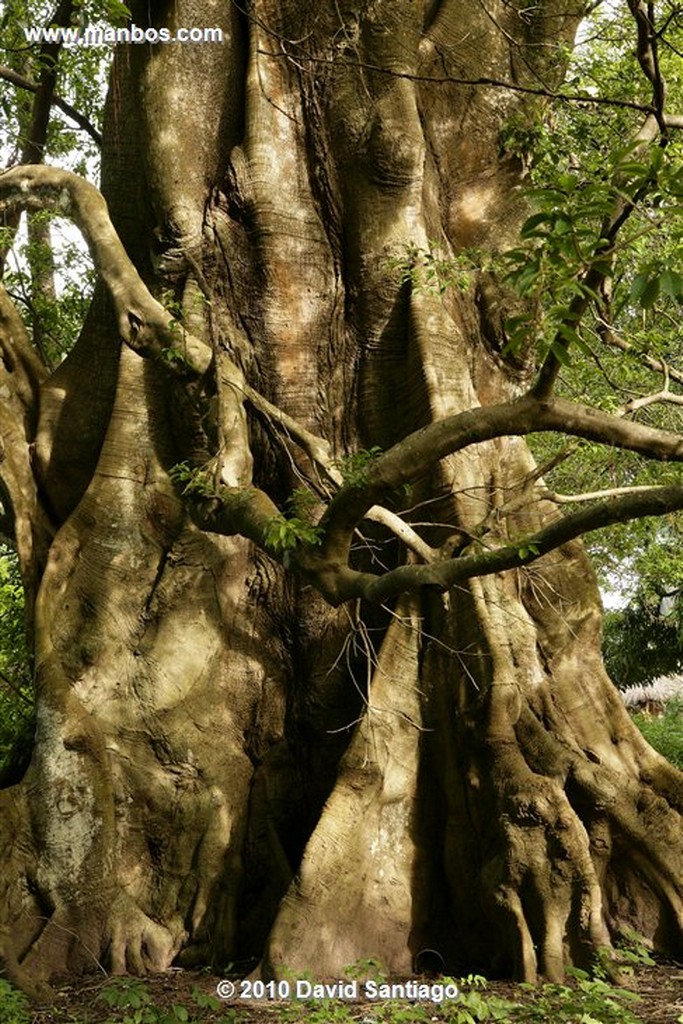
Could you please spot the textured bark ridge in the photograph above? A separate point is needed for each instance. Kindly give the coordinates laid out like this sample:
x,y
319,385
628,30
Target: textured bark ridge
x,y
226,766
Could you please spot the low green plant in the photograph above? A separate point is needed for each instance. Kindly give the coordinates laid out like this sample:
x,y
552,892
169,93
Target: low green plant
x,y
14,1006
630,950
665,734
125,994
204,1000
369,967
475,1005
132,998
328,1011
588,1001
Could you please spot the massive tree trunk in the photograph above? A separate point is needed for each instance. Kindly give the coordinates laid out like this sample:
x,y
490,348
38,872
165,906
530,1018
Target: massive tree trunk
x,y
226,765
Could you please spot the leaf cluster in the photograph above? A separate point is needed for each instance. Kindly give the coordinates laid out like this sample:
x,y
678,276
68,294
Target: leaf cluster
x,y
590,1000
191,480
285,534
641,644
354,467
132,998
14,1006
16,694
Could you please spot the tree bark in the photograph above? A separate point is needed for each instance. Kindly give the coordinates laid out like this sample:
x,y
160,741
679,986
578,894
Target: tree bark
x,y
226,766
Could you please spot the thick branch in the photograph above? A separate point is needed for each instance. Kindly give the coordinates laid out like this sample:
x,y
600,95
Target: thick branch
x,y
417,454
246,511
443,575
143,322
250,512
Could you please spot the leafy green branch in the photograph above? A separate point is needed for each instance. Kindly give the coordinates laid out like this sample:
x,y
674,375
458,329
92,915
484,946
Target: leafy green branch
x,y
354,467
286,534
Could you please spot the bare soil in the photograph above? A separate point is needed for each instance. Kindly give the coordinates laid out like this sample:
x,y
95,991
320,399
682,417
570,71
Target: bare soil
x,y
660,989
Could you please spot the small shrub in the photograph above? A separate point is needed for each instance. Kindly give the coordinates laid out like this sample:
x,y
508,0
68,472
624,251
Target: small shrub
x,y
14,1007
591,1000
125,994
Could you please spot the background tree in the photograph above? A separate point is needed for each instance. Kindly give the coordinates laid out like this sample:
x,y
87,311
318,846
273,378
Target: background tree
x,y
317,650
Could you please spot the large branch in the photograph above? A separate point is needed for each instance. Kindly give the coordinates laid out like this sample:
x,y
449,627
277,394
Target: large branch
x,y
326,565
417,454
443,575
143,322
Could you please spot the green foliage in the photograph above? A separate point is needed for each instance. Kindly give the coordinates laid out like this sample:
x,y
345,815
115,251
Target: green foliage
x,y
285,534
589,1001
14,1006
354,467
474,1004
368,967
16,695
429,270
191,480
174,356
632,950
81,77
580,167
526,548
302,502
665,734
640,643
125,993
132,998
205,1001
54,320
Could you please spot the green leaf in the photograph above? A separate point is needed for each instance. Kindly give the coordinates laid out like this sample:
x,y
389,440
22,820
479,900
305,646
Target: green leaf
x,y
650,293
671,283
638,287
532,223
569,334
561,354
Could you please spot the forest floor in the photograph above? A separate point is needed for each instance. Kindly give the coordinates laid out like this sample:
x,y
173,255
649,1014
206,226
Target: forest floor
x,y
189,997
